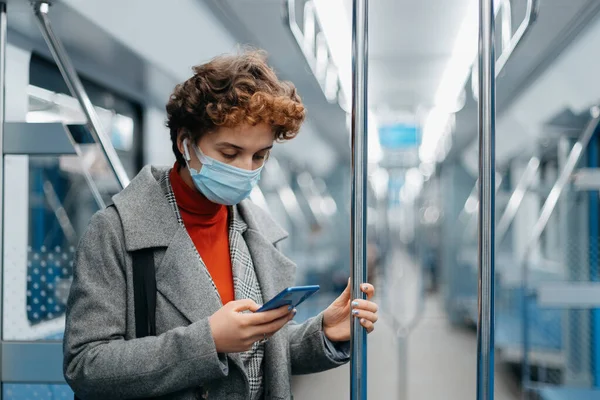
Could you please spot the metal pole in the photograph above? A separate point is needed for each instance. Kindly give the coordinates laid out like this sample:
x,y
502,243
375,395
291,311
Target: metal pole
x,y
3,31
487,127
358,362
78,91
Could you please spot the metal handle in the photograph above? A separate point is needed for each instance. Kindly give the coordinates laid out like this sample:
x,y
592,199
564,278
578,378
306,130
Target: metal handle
x,y
358,362
315,50
530,16
506,23
510,43
561,182
517,198
487,127
78,91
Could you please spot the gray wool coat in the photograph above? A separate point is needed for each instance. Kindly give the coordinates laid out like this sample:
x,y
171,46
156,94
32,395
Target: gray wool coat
x,y
102,357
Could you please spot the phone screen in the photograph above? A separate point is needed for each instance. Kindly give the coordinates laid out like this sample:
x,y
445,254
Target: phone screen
x,y
291,296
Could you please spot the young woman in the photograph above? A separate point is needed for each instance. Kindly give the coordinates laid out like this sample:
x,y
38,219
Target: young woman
x,y
216,260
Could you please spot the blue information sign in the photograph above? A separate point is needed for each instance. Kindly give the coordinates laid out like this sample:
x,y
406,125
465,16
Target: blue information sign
x,y
399,136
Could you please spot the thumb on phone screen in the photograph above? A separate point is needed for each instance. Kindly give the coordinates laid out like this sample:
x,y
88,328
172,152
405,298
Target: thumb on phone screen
x,y
244,305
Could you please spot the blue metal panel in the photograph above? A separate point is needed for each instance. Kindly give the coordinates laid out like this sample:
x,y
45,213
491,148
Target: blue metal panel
x,y
32,362
26,391
565,393
39,139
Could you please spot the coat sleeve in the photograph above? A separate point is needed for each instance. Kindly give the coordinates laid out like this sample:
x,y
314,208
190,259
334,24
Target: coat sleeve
x,y
98,362
310,351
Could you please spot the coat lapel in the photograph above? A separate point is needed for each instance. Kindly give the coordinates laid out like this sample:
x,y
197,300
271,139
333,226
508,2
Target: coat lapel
x,y
274,270
183,280
149,221
147,218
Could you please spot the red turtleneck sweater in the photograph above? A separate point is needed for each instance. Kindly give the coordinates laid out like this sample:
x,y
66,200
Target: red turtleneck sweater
x,y
207,224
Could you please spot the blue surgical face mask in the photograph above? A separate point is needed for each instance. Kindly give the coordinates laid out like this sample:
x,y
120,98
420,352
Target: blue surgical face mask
x,y
221,183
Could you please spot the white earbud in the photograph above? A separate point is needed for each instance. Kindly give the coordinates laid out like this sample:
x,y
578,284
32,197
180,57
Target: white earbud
x,y
186,152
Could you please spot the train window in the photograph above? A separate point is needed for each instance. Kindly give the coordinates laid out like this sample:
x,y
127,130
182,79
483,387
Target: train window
x,y
49,213
50,100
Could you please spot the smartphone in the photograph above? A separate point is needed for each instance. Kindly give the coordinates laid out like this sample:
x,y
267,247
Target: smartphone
x,y
291,296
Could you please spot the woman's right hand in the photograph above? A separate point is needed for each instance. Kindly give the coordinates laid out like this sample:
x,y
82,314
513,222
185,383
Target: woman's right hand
x,y
234,332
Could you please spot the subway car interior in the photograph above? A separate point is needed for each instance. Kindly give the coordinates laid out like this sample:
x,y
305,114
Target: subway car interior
x,y
84,84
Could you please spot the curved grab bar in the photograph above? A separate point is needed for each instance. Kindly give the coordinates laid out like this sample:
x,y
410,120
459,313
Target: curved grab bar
x,y
509,45
522,30
514,203
78,91
315,50
561,182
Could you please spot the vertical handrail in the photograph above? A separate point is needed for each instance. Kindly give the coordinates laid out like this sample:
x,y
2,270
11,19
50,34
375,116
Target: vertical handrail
x,y
78,91
487,126
540,225
514,203
358,362
3,32
510,43
468,230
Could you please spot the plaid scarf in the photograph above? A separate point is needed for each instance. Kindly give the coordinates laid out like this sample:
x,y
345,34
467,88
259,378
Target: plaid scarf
x,y
245,283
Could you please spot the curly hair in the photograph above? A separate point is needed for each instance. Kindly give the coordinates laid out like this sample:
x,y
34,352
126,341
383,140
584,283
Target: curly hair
x,y
230,90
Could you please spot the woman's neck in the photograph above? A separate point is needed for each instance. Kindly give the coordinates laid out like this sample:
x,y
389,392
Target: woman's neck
x,y
185,175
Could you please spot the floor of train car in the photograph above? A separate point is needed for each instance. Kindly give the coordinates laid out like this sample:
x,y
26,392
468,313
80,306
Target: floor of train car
x,y
440,358
442,361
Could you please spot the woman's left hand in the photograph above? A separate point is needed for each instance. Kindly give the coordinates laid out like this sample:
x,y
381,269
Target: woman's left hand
x,y
336,318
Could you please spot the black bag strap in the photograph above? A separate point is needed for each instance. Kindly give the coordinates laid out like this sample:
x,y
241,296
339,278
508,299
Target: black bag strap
x,y
144,293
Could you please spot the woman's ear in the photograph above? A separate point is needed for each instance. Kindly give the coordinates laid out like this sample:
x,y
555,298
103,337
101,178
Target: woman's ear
x,y
182,143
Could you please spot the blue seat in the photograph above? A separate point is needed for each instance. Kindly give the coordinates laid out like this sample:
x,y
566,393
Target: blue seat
x,y
542,336
544,326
